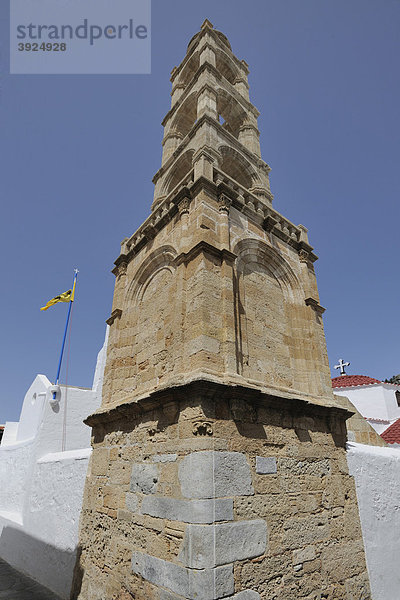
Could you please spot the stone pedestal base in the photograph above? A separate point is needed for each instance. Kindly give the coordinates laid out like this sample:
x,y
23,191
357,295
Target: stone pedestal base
x,y
207,491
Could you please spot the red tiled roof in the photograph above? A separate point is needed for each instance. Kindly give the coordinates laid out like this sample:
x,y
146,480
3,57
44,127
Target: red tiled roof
x,y
352,380
391,435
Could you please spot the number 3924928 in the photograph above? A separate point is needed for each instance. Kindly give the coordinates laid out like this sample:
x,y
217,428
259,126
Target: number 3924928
x,y
43,47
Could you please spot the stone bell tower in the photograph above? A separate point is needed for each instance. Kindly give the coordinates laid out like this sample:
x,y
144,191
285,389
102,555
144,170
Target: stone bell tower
x,y
218,467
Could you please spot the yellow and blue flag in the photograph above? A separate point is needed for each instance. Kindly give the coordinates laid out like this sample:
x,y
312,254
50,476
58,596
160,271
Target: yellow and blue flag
x,y
67,296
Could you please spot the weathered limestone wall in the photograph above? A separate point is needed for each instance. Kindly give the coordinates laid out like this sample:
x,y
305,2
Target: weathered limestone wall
x,y
206,492
235,304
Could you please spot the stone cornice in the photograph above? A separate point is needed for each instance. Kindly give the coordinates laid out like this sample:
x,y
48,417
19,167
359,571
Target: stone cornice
x,y
234,142
204,389
202,183
241,200
151,226
171,134
268,218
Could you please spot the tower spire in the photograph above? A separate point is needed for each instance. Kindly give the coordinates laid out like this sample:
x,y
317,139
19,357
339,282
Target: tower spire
x,y
210,106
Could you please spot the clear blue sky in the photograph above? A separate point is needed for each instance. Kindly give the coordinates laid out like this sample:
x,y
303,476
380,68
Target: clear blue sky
x,y
78,154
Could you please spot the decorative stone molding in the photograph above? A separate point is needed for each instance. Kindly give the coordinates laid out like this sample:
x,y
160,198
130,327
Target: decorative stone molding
x,y
305,251
116,314
202,428
122,268
304,256
224,204
269,223
183,206
149,231
206,248
207,153
315,305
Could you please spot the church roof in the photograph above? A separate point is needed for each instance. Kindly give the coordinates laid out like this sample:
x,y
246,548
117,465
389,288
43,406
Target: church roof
x,y
353,380
391,435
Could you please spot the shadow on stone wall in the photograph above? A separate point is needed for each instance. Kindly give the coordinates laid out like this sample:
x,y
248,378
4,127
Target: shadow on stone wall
x,y
250,409
51,567
77,576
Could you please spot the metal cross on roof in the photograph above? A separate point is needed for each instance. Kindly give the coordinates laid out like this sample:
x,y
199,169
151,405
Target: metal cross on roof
x,y
341,366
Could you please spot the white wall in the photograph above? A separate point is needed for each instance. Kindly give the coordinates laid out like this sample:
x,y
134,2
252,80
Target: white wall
x,y
10,432
376,401
15,467
379,427
43,463
32,409
376,472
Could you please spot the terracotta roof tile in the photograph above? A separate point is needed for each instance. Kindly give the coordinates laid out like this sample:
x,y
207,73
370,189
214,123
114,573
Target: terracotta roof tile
x,y
391,435
353,380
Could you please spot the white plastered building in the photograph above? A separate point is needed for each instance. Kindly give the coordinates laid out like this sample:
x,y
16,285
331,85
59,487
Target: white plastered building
x,y
378,402
43,463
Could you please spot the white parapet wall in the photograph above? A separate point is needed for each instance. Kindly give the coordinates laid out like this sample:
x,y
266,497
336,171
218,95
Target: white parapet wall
x,y
376,472
43,463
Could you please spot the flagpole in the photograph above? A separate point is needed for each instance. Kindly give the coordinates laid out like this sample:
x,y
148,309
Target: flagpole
x,y
65,332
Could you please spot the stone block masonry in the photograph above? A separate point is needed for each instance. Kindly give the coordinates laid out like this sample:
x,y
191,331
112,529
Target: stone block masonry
x,y
265,465
207,524
208,546
192,584
188,511
215,474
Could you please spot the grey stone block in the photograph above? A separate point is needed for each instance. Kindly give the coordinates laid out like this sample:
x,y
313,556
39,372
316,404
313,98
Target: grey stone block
x,y
160,572
144,478
207,546
244,595
165,595
206,584
131,502
212,474
165,458
265,465
188,511
211,584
